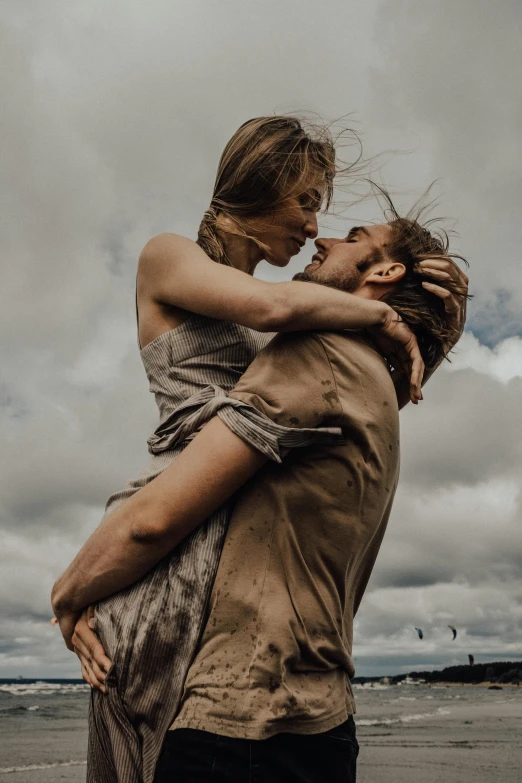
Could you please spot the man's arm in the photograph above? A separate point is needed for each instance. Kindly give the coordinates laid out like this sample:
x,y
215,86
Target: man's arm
x,y
285,384
144,529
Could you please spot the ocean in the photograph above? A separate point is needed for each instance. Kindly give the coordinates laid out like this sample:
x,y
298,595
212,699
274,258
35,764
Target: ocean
x,y
408,733
43,730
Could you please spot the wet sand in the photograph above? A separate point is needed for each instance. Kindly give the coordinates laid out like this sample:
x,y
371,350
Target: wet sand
x,y
465,735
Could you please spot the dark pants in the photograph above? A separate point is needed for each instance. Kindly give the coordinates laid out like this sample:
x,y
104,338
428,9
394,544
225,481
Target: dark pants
x,y
191,756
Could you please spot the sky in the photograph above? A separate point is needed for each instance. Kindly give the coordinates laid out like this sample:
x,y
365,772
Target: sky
x,y
113,120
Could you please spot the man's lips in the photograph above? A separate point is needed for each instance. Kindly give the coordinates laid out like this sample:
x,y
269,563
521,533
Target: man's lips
x,y
316,262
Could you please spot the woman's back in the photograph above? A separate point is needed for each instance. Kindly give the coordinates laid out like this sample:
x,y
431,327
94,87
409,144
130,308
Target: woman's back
x,y
199,352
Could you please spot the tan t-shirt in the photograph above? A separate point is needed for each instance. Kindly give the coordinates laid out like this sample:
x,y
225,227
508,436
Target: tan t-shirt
x,y
303,538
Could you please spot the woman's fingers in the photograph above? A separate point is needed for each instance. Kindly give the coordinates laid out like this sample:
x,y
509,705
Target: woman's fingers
x,y
439,274
444,264
417,374
451,303
400,346
415,369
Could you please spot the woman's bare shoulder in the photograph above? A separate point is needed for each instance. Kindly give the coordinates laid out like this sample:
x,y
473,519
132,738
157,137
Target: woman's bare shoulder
x,y
166,250
167,242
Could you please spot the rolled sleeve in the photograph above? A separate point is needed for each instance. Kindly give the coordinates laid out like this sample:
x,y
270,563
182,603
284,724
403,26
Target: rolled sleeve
x,y
287,398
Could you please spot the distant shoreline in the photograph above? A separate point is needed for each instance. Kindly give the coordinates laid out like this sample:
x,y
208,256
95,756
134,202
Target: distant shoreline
x,y
471,684
485,675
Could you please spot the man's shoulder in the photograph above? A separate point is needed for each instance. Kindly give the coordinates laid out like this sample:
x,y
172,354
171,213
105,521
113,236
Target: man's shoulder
x,y
357,364
288,381
351,347
343,352
287,349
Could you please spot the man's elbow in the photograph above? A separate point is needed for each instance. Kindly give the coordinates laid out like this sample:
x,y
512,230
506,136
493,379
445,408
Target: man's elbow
x,y
146,533
60,599
149,527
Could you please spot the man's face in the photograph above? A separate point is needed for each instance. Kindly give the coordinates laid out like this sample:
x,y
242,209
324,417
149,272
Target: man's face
x,y
346,263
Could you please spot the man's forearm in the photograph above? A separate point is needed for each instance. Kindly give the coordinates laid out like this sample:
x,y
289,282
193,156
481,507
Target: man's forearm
x,y
147,526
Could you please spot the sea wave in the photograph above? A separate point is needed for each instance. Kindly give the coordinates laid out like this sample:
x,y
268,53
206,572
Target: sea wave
x,y
17,709
42,688
402,718
29,767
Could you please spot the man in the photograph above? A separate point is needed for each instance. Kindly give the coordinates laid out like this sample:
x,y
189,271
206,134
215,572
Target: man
x,y
268,696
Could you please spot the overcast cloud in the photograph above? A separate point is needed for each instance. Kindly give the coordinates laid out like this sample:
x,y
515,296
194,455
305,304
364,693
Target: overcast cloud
x,y
113,120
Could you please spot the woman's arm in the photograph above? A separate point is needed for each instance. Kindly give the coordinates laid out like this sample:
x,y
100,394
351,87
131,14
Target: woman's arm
x,y
144,529
175,271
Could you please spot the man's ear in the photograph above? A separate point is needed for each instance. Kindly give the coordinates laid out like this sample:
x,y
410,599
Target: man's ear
x,y
387,273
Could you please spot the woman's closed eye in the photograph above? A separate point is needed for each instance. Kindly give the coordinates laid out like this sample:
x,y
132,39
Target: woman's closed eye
x,y
311,201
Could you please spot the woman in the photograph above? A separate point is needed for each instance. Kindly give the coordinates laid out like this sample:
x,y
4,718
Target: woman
x,y
196,330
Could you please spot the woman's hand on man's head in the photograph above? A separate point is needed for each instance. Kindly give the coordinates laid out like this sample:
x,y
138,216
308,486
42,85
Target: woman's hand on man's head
x,y
449,283
399,345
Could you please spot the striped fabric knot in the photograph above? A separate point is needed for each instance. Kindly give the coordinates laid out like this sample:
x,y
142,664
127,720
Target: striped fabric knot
x,y
245,421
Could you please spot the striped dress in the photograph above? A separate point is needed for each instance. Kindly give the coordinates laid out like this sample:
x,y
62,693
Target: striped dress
x,y
151,630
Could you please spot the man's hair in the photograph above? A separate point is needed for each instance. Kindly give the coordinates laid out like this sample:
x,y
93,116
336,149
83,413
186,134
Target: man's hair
x,y
424,312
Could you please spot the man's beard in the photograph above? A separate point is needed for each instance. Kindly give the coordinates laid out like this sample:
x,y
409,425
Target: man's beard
x,y
348,282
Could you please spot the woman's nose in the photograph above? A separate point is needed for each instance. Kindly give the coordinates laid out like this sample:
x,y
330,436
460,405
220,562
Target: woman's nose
x,y
311,228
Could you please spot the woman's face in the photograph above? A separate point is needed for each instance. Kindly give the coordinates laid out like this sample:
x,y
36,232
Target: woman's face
x,y
287,229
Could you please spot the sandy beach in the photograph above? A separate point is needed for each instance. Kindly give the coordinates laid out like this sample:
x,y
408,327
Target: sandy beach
x,y
407,733
418,734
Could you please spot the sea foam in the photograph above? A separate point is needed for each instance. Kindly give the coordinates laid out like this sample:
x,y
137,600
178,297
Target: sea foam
x,y
42,688
29,767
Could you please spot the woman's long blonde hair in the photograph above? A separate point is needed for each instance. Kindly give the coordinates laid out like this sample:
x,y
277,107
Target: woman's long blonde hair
x,y
268,160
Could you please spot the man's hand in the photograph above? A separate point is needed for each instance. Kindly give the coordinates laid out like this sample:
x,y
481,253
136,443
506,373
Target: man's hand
x,y
453,290
66,620
399,345
95,664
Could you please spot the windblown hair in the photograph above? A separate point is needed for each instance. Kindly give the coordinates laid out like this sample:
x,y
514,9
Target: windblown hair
x,y
268,160
424,312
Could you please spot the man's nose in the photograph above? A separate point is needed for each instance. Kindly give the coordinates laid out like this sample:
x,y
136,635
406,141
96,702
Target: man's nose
x,y
326,243
311,228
